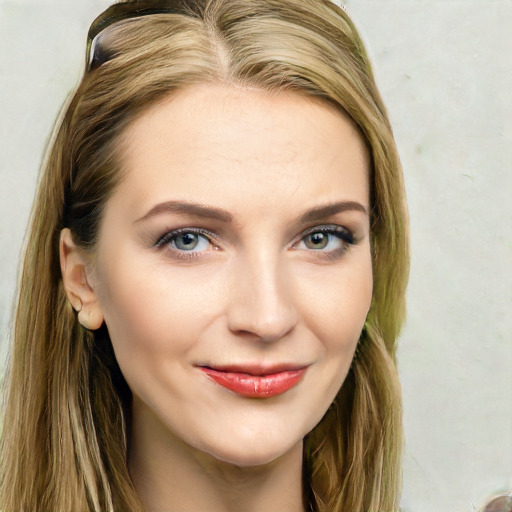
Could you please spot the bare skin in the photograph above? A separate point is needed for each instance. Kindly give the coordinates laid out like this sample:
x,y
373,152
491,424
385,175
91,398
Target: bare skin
x,y
208,483
239,235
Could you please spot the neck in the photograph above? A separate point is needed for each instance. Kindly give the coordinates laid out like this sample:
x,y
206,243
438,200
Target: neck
x,y
171,475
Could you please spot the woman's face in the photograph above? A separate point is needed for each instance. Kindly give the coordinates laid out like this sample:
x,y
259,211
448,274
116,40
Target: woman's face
x,y
233,267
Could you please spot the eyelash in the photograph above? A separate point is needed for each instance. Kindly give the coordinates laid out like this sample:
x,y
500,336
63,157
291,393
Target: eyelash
x,y
340,232
345,236
167,238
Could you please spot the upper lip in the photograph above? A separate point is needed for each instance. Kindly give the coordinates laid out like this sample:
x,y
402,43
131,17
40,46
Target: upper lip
x,y
258,370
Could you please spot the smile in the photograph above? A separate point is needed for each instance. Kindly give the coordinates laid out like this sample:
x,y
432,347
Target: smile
x,y
253,383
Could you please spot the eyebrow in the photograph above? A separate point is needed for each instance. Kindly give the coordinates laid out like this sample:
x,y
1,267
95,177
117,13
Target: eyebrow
x,y
322,212
209,212
198,210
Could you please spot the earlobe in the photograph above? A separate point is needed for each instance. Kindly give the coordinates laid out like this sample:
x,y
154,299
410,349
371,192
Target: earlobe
x,y
76,280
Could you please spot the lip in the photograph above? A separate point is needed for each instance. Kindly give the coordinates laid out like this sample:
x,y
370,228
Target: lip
x,y
256,381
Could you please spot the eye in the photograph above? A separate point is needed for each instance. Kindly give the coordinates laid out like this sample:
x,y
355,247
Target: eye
x,y
192,242
318,240
326,239
186,242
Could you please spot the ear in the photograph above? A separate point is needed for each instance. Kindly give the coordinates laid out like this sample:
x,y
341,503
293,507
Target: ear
x,y
81,295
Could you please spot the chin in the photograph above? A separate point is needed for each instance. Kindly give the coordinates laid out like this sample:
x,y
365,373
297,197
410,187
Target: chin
x,y
253,454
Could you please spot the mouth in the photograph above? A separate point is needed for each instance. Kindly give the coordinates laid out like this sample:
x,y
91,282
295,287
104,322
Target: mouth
x,y
254,381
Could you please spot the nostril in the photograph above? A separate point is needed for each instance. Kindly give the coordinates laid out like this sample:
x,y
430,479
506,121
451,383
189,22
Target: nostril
x,y
262,328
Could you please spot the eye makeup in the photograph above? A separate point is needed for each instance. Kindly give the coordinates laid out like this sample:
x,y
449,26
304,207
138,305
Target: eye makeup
x,y
332,241
332,230
326,241
187,242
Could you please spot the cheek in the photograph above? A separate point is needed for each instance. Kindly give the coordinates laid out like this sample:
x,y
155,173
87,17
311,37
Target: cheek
x,y
338,302
151,310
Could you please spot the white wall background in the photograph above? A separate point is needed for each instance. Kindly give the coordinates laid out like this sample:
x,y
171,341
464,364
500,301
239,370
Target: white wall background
x,y
445,71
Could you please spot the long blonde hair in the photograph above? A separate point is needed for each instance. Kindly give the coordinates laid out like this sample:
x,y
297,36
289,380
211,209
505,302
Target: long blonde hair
x,y
67,406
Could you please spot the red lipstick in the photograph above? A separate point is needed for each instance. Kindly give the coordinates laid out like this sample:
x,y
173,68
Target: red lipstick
x,y
254,382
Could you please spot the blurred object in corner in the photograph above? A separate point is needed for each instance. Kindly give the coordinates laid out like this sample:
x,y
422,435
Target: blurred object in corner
x,y
499,504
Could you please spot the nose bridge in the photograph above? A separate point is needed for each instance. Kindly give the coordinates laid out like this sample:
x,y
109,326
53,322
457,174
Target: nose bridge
x,y
262,299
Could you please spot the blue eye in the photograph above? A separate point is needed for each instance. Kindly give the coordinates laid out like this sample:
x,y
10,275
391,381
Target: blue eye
x,y
184,241
191,242
328,240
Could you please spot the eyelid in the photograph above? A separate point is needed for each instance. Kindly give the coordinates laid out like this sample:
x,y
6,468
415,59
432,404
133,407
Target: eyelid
x,y
345,233
169,235
344,236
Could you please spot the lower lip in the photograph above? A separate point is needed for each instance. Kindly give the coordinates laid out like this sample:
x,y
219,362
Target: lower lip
x,y
255,386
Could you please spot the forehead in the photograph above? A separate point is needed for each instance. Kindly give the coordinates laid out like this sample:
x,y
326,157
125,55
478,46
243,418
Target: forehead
x,y
221,145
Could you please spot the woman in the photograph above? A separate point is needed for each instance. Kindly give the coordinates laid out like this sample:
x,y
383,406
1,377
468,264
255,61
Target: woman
x,y
215,272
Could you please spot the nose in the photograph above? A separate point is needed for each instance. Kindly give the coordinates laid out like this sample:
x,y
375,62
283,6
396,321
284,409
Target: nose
x,y
261,301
